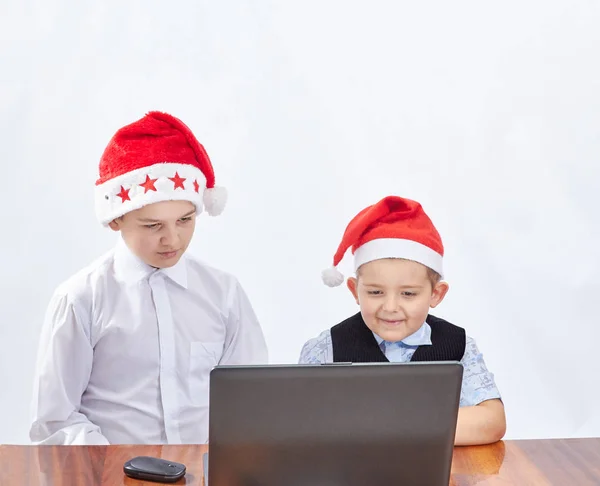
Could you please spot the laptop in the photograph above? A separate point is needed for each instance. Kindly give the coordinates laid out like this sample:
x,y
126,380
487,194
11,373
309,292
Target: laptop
x,y
375,424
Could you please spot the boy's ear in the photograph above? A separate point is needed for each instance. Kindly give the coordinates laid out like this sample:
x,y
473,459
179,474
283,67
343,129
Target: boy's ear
x,y
439,292
352,284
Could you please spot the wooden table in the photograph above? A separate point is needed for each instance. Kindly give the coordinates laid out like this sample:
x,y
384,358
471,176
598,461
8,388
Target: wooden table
x,y
569,462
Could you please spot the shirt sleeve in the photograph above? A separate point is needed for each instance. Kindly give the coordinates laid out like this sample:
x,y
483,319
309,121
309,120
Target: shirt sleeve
x,y
318,350
478,383
64,364
244,341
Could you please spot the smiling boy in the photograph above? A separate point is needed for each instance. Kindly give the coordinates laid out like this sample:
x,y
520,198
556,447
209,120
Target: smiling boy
x,y
398,257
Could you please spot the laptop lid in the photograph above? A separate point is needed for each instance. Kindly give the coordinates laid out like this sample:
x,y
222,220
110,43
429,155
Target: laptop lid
x,y
340,424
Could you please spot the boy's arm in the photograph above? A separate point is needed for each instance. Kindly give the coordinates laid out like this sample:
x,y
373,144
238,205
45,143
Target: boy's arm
x,y
63,370
481,418
318,350
480,424
244,340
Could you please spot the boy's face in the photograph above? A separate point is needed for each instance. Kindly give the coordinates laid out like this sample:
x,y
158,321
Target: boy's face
x,y
395,296
158,233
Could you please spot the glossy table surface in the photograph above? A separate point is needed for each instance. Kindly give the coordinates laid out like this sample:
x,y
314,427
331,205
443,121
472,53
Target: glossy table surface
x,y
561,462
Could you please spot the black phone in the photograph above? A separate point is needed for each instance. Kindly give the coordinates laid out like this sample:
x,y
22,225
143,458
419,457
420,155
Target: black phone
x,y
154,469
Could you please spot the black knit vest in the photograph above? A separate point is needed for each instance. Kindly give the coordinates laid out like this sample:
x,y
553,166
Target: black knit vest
x,y
353,342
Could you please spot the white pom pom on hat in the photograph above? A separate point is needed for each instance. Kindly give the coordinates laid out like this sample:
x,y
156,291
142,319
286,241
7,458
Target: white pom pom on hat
x,y
332,277
215,199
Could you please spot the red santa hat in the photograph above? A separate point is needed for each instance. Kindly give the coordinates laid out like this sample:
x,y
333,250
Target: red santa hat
x,y
394,227
156,158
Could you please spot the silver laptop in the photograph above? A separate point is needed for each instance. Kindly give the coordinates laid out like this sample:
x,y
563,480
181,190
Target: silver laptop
x,y
381,424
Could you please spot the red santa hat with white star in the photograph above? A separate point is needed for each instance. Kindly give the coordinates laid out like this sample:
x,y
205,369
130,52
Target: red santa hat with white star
x,y
156,158
395,227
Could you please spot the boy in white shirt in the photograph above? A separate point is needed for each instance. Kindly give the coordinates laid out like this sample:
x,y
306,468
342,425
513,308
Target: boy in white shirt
x,y
128,342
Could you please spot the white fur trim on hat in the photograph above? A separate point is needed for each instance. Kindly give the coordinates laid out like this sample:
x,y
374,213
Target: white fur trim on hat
x,y
398,248
126,193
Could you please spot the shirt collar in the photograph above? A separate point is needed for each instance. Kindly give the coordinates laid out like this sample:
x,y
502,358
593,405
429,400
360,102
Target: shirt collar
x,y
130,268
178,272
421,336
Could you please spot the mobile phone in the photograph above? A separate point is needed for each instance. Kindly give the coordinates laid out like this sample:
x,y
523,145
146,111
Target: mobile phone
x,y
154,469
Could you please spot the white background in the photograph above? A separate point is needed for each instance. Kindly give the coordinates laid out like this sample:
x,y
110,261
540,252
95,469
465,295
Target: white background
x,y
488,113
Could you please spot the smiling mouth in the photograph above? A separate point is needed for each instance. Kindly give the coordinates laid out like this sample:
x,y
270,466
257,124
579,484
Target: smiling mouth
x,y
392,323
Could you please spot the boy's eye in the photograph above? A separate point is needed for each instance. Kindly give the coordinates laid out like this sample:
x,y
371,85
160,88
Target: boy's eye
x,y
409,294
151,226
374,292
186,219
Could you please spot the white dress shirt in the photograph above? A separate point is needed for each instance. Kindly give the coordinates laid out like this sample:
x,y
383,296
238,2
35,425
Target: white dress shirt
x,y
126,350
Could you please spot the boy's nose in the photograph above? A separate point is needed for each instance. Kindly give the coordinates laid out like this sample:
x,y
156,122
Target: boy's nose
x,y
170,237
391,305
